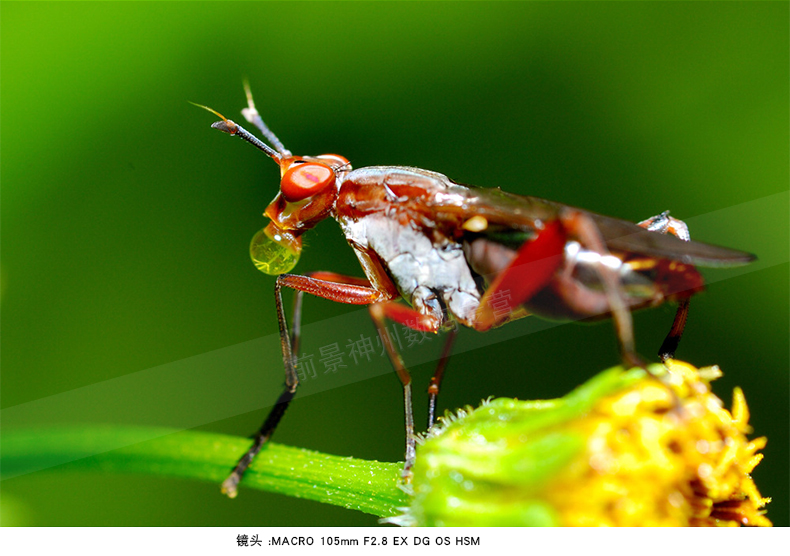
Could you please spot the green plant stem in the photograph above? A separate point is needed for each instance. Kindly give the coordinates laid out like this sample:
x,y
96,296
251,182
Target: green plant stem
x,y
367,486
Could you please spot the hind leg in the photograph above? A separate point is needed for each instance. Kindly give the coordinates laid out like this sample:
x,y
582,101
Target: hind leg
x,y
665,224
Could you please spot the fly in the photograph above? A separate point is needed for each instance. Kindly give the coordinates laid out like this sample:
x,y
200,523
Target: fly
x,y
458,254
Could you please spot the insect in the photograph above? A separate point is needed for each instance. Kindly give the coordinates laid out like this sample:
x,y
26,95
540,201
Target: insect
x,y
458,254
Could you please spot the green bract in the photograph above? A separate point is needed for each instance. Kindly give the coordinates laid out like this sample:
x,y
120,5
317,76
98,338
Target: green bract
x,y
489,466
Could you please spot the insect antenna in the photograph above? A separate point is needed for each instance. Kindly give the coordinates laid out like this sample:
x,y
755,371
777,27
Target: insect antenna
x,y
251,115
232,128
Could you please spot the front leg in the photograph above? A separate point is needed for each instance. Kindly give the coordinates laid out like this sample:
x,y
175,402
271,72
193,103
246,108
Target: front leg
x,y
355,291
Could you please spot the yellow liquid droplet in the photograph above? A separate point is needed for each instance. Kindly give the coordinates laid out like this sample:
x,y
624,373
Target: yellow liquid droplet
x,y
272,255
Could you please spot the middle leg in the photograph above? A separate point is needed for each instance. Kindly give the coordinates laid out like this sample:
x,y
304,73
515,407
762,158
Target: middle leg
x,y
415,320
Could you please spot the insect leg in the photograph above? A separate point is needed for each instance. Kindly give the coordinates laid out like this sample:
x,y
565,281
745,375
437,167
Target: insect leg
x,y
663,224
417,321
230,485
356,294
296,324
438,374
670,344
359,291
583,227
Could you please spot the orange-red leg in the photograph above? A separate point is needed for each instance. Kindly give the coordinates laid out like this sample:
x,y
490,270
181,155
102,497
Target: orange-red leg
x,y
413,319
438,374
334,290
344,290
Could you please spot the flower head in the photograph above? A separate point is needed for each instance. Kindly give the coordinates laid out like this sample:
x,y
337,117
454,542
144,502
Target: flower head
x,y
624,449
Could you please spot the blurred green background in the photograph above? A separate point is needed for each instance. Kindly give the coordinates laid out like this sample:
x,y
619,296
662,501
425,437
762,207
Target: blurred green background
x,y
126,219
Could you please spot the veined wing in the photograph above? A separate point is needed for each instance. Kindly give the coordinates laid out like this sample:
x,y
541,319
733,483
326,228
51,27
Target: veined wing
x,y
506,210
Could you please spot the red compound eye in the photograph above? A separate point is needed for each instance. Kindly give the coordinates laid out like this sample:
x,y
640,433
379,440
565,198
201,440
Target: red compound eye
x,y
305,180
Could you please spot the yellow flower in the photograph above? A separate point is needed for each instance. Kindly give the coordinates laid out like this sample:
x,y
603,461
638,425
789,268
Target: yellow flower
x,y
624,449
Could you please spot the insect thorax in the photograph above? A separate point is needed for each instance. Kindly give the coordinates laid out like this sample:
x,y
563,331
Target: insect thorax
x,y
430,272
